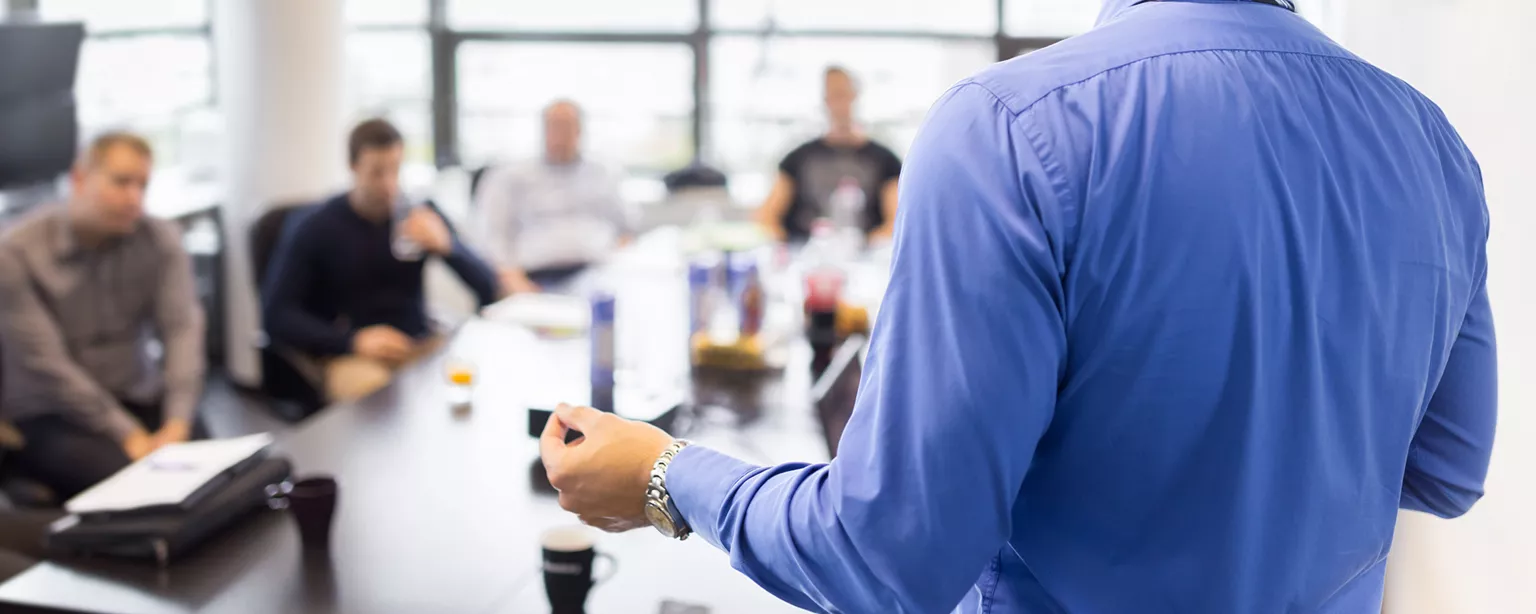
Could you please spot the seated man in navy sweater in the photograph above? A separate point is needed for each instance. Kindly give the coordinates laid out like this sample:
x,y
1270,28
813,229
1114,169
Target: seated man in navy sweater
x,y
345,284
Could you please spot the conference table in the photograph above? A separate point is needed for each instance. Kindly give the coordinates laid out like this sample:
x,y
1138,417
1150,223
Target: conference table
x,y
437,510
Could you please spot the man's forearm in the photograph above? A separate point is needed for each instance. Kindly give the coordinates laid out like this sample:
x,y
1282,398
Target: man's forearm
x,y
181,400
78,398
113,421
475,272
782,529
88,405
714,493
293,328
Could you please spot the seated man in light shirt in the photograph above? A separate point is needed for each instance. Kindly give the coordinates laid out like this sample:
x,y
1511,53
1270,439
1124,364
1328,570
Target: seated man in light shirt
x,y
543,220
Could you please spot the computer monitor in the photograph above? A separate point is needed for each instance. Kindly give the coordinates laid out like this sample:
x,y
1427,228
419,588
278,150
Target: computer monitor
x,y
834,393
37,104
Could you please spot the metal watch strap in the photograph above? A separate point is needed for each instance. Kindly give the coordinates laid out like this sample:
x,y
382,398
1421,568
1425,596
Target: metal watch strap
x,y
656,489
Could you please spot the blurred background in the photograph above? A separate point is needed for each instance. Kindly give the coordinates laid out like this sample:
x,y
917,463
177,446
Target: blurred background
x,y
735,84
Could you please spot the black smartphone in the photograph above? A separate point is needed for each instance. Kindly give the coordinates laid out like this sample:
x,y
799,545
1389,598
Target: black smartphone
x,y
538,418
655,408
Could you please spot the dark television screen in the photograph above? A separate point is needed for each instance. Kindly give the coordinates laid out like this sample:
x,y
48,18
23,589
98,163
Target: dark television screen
x,y
38,129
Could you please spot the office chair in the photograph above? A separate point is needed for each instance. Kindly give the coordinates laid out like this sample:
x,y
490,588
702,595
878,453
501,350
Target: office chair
x,y
475,177
295,396
16,488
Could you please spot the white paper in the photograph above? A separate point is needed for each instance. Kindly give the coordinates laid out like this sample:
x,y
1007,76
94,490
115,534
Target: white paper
x,y
168,475
542,312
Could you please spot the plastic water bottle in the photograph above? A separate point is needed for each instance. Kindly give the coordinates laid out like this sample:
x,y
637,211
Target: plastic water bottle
x,y
820,250
824,277
753,302
847,204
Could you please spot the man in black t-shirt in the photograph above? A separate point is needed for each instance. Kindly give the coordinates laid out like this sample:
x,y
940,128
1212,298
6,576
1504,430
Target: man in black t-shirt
x,y
842,168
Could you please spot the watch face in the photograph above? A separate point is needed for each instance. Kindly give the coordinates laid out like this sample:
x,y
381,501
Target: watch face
x,y
660,519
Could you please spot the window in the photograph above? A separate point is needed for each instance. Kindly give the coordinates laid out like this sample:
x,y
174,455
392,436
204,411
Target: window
x,y
636,98
1327,15
952,16
389,75
117,15
1049,18
124,79
766,92
574,15
147,66
386,13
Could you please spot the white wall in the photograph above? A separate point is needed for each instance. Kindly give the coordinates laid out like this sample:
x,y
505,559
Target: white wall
x,y
1477,60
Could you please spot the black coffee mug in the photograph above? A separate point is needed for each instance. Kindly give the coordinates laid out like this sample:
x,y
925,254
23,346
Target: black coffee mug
x,y
568,561
312,502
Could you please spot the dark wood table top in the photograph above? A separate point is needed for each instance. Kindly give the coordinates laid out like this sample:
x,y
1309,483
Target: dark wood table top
x,y
436,512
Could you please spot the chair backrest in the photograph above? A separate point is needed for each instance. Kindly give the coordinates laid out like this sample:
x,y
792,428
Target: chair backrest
x,y
267,232
695,175
475,177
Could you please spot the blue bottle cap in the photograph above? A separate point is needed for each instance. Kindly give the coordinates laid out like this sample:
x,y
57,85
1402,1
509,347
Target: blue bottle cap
x,y
699,273
602,306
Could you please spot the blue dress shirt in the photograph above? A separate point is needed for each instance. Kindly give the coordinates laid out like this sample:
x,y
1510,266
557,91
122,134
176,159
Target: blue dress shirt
x,y
1182,310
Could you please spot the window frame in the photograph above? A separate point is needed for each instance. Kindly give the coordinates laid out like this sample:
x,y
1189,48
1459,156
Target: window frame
x,y
444,42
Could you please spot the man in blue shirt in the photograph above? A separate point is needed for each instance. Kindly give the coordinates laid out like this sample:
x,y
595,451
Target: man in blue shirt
x,y
345,287
1182,311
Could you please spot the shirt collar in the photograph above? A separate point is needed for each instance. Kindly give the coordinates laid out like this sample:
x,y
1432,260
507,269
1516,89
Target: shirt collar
x,y
65,243
1113,8
572,163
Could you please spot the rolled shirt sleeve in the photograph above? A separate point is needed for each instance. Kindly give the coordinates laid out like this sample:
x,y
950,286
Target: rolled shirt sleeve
x,y
1448,459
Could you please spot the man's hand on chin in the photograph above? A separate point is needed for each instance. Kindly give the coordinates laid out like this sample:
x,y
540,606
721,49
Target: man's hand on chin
x,y
603,475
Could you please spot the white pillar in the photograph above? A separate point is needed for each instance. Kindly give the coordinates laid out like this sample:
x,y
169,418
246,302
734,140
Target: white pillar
x,y
1472,57
280,75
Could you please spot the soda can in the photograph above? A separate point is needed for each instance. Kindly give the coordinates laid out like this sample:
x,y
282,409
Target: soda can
x,y
701,275
740,267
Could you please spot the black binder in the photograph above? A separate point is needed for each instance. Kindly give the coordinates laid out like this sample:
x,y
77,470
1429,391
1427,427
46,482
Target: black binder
x,y
164,535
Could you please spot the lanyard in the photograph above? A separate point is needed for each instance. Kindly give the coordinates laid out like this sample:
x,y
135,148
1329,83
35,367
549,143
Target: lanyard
x,y
1285,4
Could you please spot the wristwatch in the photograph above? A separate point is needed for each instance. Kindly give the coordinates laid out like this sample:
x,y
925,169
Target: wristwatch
x,y
659,508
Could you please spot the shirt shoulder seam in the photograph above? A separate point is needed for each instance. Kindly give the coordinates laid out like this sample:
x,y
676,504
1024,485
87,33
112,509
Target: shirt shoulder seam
x,y
1057,185
1026,107
31,227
